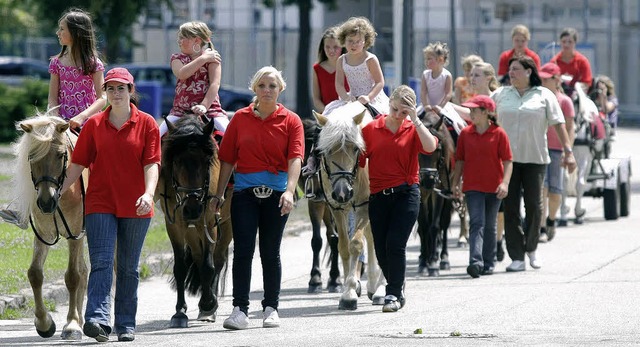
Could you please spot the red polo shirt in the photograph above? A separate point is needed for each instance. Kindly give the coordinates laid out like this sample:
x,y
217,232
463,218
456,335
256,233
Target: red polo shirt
x,y
483,155
393,158
503,65
579,67
117,158
256,145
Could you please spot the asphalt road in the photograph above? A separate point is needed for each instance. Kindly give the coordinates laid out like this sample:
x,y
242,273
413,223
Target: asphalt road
x,y
585,294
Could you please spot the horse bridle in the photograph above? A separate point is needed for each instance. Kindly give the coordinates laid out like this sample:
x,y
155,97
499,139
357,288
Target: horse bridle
x,y
350,176
59,182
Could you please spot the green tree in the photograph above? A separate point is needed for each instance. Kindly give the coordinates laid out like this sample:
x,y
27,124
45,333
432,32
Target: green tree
x,y
16,23
303,94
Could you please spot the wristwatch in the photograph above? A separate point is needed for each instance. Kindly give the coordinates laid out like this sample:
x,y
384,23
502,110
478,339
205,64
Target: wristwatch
x,y
568,150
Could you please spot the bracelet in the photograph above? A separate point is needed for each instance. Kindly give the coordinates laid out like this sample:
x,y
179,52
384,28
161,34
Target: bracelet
x,y
568,150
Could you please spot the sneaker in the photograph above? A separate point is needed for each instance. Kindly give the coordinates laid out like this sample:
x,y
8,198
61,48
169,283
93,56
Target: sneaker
x,y
474,270
516,266
271,319
580,212
238,320
12,217
543,237
96,331
499,251
126,337
551,228
535,263
391,304
487,271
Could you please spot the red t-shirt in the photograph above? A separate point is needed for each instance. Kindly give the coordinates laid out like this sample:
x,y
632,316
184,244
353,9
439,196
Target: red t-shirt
x,y
117,158
579,67
483,155
393,158
327,84
503,65
256,145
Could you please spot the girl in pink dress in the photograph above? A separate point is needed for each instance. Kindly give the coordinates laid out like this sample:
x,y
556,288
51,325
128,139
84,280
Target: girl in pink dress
x,y
199,72
76,72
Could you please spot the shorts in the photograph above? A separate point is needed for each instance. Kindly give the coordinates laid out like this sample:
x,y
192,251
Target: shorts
x,y
553,179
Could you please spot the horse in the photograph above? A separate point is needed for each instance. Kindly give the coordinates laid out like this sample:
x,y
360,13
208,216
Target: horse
x,y
436,203
42,155
345,187
199,238
319,213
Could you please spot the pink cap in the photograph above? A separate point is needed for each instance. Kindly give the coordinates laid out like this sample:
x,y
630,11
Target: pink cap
x,y
549,70
118,74
482,101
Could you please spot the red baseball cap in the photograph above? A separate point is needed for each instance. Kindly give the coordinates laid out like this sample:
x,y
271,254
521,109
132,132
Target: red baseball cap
x,y
549,70
482,101
118,74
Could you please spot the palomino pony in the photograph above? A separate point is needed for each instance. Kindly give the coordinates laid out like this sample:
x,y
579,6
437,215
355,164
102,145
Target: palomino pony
x,y
346,186
42,155
436,204
318,213
200,239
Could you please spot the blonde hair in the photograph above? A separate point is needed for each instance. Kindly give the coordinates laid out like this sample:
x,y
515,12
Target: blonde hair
x,y
521,29
470,60
264,71
197,29
438,49
488,70
405,95
355,26
611,88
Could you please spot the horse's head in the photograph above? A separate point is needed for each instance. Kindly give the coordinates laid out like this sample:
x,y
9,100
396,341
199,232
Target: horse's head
x,y
188,151
436,167
46,149
340,144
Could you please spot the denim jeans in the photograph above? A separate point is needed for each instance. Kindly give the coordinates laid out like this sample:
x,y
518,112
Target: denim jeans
x,y
526,183
483,213
392,218
248,215
105,234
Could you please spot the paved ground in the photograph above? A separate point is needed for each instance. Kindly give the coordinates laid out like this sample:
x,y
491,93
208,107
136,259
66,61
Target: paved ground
x,y
585,294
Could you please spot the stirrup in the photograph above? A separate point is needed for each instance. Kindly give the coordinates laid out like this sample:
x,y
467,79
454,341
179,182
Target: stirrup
x,y
309,189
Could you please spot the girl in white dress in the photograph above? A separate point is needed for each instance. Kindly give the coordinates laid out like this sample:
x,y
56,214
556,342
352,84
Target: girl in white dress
x,y
361,67
437,82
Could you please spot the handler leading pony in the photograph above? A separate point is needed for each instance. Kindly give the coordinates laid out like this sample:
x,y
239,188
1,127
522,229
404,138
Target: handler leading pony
x,y
346,187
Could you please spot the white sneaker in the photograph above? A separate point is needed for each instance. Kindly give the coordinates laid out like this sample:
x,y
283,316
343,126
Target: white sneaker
x,y
237,320
270,318
533,261
516,265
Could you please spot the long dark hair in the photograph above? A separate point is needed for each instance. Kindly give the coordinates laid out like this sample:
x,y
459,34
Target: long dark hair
x,y
528,63
330,33
83,51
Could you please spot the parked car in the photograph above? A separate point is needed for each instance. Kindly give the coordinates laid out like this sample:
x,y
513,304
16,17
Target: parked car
x,y
231,98
14,70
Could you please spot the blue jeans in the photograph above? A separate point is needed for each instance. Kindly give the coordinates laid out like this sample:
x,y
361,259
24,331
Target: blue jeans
x,y
483,213
104,233
248,215
392,218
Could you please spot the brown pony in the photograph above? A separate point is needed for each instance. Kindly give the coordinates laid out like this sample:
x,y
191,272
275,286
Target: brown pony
x,y
42,155
200,239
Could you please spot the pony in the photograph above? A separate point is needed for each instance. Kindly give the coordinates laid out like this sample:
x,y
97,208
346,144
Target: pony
x,y
319,213
345,187
436,203
42,154
199,238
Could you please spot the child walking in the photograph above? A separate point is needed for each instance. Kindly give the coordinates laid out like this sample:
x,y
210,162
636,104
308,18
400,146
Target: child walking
x,y
361,68
436,88
199,71
483,159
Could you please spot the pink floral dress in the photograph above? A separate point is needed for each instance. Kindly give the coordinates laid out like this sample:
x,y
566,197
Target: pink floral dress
x,y
76,92
191,92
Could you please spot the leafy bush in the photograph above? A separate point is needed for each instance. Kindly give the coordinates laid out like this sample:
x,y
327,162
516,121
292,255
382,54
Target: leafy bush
x,y
19,103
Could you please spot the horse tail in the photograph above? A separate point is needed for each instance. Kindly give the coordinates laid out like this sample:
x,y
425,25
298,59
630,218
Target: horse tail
x,y
223,277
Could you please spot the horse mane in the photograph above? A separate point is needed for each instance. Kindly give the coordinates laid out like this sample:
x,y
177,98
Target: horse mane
x,y
311,132
33,146
188,132
341,129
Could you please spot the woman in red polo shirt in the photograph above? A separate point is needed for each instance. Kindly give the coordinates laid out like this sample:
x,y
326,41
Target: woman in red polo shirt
x,y
393,142
122,146
483,158
572,63
265,144
520,37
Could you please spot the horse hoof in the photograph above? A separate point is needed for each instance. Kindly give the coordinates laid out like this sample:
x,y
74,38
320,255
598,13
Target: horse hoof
x,y
434,272
49,332
377,300
207,316
444,265
359,289
179,320
422,269
314,288
350,305
71,335
335,287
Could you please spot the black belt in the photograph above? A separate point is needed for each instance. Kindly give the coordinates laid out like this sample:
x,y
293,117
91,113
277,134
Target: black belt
x,y
399,189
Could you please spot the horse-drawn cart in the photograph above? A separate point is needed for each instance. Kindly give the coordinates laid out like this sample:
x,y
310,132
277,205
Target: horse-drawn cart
x,y
611,180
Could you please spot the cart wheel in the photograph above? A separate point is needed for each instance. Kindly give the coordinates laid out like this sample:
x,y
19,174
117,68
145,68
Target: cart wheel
x,y
612,198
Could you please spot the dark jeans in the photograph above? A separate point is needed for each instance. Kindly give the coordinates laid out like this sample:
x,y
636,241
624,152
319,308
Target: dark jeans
x,y
248,215
392,218
483,212
526,182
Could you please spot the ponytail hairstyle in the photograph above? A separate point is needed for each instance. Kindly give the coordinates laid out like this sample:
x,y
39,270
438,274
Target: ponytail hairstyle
x,y
197,29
